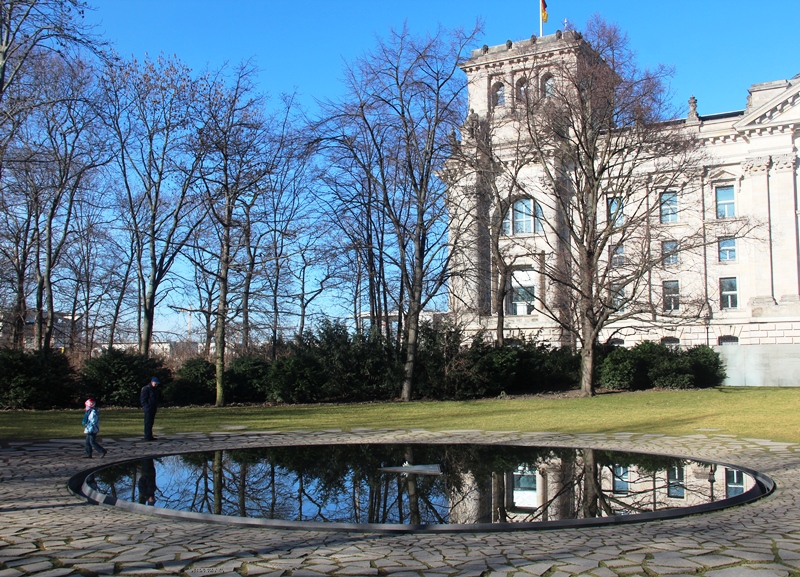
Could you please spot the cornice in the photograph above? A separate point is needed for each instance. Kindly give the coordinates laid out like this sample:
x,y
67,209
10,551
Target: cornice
x,y
720,138
545,48
738,134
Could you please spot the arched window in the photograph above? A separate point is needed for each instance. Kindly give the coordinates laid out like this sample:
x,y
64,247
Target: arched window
x,y
548,86
522,91
524,217
728,340
498,94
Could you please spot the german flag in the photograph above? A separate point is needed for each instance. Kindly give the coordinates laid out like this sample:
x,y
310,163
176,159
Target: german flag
x,y
544,10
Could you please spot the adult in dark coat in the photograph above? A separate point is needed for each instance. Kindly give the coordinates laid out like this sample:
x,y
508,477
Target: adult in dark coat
x,y
149,401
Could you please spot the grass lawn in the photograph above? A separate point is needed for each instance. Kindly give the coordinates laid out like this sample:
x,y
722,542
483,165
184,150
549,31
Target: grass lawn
x,y
764,413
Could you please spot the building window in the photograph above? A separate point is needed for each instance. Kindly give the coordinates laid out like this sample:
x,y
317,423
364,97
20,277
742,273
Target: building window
x,y
675,486
727,249
728,340
673,343
521,300
524,488
524,217
668,207
728,293
617,254
548,86
620,483
726,205
671,292
616,215
617,292
522,91
734,482
498,94
616,343
669,252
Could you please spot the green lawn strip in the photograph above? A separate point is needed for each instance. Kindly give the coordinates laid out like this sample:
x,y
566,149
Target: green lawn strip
x,y
765,413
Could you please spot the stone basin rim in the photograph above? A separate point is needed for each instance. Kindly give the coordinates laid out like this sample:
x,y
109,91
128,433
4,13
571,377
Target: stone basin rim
x,y
763,487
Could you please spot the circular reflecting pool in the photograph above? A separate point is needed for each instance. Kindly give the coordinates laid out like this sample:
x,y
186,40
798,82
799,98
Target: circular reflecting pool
x,y
405,487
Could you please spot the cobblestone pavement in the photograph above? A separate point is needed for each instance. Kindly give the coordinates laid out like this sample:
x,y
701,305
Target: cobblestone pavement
x,y
47,531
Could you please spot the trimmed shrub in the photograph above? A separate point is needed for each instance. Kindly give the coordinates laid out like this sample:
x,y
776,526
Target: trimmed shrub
x,y
36,380
653,365
485,370
627,369
194,384
706,365
546,369
296,378
247,379
334,366
117,377
444,369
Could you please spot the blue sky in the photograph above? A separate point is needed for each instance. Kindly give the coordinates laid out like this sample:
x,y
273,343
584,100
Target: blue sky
x,y
718,48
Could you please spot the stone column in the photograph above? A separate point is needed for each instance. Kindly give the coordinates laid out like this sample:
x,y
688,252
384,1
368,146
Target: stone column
x,y
467,267
760,278
783,201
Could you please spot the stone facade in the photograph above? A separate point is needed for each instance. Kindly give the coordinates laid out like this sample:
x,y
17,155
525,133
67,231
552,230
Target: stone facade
x,y
749,284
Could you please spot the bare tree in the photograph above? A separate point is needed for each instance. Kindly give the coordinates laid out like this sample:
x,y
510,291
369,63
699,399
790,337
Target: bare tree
x,y
391,132
49,165
17,250
95,274
70,147
314,272
281,211
278,227
353,207
233,144
203,254
150,112
28,27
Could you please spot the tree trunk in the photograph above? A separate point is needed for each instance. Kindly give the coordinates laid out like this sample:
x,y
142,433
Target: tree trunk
x,y
222,315
148,313
587,369
591,489
412,328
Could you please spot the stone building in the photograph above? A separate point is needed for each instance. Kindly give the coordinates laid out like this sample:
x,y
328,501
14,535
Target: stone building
x,y
725,233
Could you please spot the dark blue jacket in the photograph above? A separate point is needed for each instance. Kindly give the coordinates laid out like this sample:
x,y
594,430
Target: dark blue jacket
x,y
149,398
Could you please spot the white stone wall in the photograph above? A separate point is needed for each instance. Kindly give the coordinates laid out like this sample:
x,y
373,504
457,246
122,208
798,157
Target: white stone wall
x,y
754,150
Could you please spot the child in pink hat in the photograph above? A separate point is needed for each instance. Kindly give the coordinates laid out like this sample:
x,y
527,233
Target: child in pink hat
x,y
91,423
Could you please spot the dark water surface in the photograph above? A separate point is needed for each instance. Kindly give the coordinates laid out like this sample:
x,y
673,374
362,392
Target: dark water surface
x,y
428,484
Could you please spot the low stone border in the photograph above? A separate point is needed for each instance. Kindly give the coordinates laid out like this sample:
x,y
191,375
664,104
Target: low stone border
x,y
81,487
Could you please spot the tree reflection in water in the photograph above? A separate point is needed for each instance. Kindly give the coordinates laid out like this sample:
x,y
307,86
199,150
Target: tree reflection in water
x,y
477,484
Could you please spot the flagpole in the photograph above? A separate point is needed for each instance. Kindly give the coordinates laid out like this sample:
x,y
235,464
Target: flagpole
x,y
541,23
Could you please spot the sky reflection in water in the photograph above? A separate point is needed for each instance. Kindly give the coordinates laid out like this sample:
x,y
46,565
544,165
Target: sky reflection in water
x,y
420,484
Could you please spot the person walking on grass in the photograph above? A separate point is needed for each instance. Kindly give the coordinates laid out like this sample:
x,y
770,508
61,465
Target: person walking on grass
x,y
91,426
149,401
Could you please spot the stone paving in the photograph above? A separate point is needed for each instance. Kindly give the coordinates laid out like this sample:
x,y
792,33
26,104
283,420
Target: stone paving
x,y
47,531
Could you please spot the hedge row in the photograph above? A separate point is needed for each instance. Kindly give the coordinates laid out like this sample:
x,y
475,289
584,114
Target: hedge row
x,y
653,365
334,365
